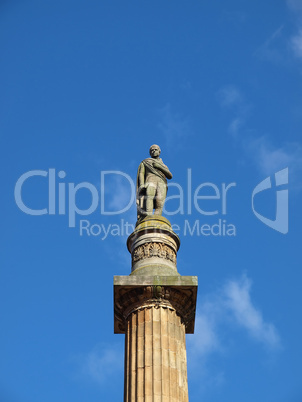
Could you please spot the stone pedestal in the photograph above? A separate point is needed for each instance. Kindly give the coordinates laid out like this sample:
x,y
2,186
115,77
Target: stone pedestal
x,y
153,246
155,308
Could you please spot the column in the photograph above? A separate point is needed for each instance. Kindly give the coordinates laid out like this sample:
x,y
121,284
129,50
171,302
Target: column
x,y
155,356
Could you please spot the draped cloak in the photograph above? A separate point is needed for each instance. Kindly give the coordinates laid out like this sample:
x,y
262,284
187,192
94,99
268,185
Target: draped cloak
x,y
148,163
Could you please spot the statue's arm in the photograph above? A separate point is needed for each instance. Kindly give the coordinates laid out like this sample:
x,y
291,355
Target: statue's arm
x,y
163,168
141,175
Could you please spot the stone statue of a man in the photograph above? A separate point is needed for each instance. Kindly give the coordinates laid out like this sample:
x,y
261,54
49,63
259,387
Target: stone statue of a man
x,y
151,187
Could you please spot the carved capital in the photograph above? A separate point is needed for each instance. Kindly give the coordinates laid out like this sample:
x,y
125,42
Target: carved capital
x,y
128,299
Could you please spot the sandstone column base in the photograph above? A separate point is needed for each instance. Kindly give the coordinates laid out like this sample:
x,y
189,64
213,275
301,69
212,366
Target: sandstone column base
x,y
155,313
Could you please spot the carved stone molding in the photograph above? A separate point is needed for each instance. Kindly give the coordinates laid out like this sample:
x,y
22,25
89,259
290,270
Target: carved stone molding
x,y
153,249
182,299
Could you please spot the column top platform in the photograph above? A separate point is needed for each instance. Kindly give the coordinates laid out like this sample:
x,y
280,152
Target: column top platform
x,y
156,224
136,292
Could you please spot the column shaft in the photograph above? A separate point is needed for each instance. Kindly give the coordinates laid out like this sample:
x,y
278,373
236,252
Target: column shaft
x,y
155,356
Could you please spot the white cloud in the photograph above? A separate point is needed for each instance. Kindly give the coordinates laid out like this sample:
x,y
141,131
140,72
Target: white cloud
x,y
174,127
230,96
235,126
296,44
264,154
270,159
234,301
204,344
102,363
238,301
295,41
295,5
269,49
121,189
219,317
205,326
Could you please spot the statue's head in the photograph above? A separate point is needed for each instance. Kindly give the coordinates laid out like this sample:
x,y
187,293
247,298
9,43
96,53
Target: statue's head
x,y
154,150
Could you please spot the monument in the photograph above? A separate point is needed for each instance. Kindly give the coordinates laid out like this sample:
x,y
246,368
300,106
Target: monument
x,y
154,306
151,186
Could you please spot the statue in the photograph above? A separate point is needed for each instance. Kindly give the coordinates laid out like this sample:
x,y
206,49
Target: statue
x,y
151,186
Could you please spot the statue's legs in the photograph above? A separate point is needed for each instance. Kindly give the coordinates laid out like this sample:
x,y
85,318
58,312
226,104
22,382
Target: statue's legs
x,y
156,191
150,195
161,192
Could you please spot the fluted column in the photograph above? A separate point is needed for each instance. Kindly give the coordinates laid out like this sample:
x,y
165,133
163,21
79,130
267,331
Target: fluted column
x,y
154,307
155,356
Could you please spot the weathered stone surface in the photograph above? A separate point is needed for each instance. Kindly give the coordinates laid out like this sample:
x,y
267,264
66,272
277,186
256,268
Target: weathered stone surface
x,y
153,246
151,186
156,280
155,307
156,367
173,292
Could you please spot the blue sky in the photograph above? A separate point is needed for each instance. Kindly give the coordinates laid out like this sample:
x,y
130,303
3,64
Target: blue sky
x,y
86,88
